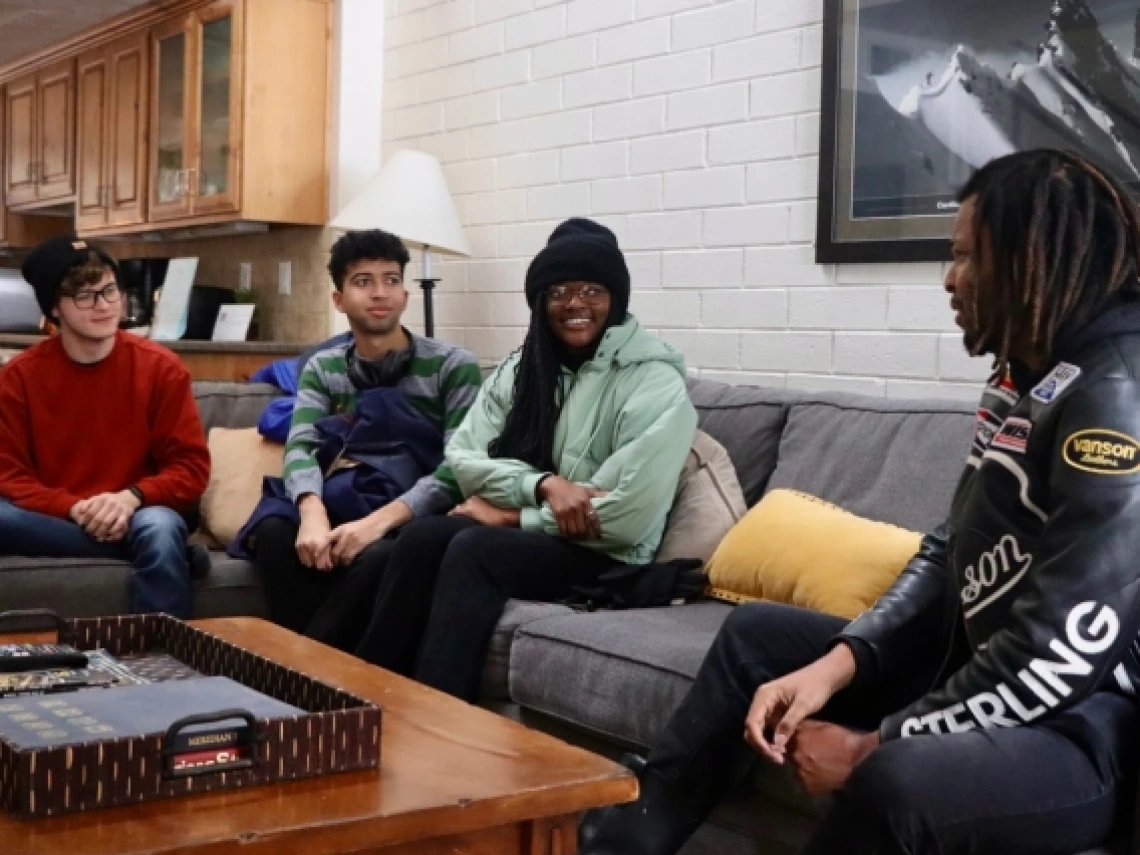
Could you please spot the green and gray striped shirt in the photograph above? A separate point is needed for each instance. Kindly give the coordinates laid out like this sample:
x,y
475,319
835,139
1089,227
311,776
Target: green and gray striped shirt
x,y
442,382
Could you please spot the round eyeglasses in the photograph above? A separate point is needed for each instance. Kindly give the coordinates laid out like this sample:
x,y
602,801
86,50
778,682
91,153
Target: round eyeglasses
x,y
87,299
591,295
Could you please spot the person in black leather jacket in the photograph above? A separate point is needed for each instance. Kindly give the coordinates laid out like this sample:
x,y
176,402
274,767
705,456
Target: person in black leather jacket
x,y
987,702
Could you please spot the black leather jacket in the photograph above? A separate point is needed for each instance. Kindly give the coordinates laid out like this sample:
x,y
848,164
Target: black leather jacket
x,y
1031,591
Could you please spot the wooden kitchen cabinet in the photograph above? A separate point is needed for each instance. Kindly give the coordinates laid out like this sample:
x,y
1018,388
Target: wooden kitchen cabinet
x,y
40,138
113,85
20,140
22,231
180,114
239,112
196,113
55,127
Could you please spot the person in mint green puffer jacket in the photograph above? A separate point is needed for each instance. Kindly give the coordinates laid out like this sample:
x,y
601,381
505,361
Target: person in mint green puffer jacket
x,y
568,464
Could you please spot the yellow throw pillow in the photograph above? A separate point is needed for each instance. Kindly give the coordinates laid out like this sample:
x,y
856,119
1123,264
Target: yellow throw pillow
x,y
797,549
239,459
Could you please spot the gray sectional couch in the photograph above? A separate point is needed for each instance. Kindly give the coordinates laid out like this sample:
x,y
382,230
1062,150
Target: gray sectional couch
x,y
609,681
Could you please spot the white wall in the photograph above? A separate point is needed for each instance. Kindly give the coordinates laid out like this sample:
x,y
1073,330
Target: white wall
x,y
690,127
357,96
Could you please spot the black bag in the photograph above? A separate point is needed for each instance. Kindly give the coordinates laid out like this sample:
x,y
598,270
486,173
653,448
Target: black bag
x,y
643,586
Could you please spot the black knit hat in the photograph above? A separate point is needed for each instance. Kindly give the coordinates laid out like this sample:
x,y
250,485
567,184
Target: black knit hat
x,y
47,265
580,250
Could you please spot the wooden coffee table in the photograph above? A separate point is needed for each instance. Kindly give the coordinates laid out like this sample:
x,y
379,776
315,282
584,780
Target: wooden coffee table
x,y
454,779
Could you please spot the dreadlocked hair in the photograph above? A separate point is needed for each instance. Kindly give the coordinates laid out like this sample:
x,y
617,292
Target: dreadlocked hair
x,y
528,433
1057,237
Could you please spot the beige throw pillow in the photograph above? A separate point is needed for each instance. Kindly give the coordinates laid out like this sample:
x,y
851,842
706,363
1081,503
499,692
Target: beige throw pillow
x,y
239,460
709,502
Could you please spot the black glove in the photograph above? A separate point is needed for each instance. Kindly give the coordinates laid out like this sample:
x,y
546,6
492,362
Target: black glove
x,y
643,586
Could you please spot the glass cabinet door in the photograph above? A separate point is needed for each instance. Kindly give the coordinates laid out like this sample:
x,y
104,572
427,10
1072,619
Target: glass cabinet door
x,y
216,176
171,161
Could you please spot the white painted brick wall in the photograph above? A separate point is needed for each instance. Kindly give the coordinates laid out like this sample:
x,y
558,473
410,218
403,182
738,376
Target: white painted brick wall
x,y
672,73
666,153
717,25
530,99
626,195
689,127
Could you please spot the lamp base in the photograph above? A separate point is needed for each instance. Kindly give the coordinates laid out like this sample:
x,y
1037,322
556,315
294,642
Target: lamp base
x,y
428,286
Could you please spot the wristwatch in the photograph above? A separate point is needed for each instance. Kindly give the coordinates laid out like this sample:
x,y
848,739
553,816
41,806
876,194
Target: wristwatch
x,y
138,494
538,487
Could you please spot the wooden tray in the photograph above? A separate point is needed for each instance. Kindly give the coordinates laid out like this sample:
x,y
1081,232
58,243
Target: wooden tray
x,y
337,732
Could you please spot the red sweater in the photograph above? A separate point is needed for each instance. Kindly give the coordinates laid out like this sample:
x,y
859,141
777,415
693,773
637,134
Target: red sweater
x,y
70,431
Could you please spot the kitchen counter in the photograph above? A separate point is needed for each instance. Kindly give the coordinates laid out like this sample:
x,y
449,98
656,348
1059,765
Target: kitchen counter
x,y
206,360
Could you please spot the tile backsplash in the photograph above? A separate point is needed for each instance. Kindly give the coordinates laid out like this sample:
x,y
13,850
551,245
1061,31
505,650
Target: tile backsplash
x,y
300,317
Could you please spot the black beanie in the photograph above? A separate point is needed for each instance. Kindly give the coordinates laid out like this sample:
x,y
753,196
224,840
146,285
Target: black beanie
x,y
580,250
48,263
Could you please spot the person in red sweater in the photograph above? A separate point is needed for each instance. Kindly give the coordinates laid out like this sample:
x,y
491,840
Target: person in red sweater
x,y
101,445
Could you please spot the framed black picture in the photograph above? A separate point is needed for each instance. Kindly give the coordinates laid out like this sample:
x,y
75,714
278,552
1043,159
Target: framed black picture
x,y
917,94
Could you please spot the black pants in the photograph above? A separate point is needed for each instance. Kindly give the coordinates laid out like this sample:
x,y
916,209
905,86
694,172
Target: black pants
x,y
447,582
1054,787
332,607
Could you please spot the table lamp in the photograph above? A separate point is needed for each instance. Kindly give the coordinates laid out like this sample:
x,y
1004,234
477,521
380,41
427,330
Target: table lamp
x,y
410,199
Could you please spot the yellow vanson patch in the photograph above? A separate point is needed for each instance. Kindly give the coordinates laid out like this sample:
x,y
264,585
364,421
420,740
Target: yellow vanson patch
x,y
1105,452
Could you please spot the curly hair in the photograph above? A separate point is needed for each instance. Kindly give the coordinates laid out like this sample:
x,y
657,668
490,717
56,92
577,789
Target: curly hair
x,y
89,271
370,245
1058,237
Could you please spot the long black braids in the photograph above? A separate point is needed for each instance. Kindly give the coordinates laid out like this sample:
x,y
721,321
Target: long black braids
x,y
528,433
1057,237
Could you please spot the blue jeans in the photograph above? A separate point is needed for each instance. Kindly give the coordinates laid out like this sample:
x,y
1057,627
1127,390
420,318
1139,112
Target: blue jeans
x,y
155,544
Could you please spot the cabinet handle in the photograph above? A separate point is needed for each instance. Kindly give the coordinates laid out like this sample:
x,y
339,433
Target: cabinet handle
x,y
28,171
191,189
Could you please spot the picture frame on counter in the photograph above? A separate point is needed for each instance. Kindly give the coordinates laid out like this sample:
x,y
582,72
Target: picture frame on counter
x,y
918,94
233,322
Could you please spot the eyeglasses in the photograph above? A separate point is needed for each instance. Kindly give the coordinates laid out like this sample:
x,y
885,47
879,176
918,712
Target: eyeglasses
x,y
591,295
87,299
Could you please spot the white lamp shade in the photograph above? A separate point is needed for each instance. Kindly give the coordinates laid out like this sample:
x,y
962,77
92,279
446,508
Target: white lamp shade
x,y
410,199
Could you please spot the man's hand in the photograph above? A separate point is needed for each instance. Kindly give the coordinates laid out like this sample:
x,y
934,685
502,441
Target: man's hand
x,y
826,754
482,511
347,541
570,503
781,705
107,516
314,533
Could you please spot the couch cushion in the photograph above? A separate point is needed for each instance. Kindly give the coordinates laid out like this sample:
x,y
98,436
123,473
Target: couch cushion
x,y
232,405
894,461
232,589
85,587
747,421
797,549
240,460
620,674
497,669
709,502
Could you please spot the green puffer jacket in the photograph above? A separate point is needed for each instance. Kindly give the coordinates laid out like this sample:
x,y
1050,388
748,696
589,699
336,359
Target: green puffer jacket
x,y
626,427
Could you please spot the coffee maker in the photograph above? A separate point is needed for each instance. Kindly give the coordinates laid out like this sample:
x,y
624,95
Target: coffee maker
x,y
140,279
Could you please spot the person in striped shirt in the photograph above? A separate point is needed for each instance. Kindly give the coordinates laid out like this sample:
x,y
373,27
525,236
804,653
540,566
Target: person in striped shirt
x,y
316,576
